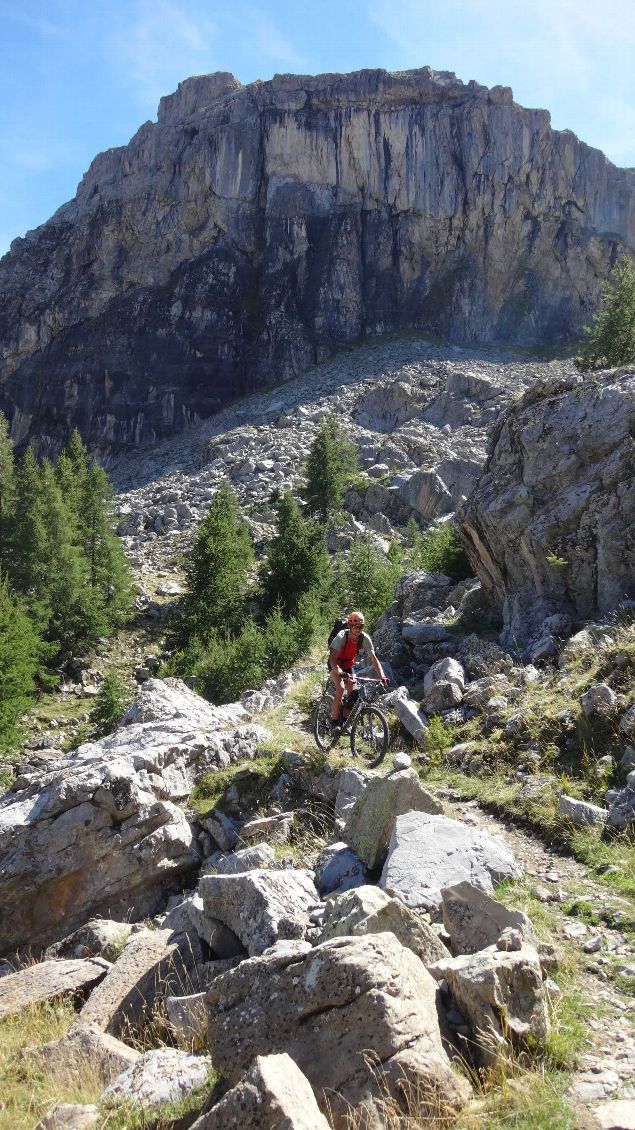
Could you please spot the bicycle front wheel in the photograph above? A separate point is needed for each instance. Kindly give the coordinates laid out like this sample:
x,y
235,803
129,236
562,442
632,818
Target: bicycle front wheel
x,y
369,736
324,738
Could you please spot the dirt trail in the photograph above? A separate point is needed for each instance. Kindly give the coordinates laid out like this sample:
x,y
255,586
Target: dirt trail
x,y
607,1066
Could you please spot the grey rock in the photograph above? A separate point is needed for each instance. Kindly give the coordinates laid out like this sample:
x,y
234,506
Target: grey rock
x,y
154,963
274,1095
100,937
260,907
338,869
429,852
351,784
83,1047
163,1075
628,759
475,921
70,1116
245,859
502,994
351,994
599,699
114,247
582,812
549,527
401,761
369,910
408,713
370,823
49,979
188,1020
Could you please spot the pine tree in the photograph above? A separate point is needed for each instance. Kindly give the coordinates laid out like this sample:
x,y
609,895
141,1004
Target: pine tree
x,y
368,578
29,539
108,570
217,570
20,654
76,613
330,467
610,339
7,492
296,560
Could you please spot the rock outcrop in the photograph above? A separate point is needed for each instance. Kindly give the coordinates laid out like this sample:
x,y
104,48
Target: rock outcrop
x,y
550,525
100,832
252,230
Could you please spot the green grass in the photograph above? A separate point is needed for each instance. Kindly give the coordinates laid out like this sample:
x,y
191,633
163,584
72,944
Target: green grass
x,y
253,777
27,1092
503,797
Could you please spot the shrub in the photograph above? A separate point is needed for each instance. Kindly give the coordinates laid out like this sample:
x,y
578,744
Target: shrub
x,y
112,700
439,550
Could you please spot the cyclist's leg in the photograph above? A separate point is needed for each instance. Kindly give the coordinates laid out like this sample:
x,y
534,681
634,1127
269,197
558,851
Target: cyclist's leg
x,y
338,683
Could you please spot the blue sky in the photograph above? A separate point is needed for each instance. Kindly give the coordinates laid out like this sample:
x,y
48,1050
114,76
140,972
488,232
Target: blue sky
x,y
80,76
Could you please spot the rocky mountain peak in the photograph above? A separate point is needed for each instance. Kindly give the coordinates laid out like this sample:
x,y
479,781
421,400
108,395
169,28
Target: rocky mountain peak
x,y
253,231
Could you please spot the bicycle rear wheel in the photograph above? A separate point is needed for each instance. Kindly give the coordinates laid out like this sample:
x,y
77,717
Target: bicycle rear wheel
x,y
324,738
370,736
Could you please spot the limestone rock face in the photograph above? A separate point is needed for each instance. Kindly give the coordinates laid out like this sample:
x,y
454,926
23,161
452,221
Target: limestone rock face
x,y
252,230
357,995
550,525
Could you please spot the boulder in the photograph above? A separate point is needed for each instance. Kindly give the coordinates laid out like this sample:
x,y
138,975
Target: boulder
x,y
100,937
501,992
427,853
369,910
190,916
100,832
582,812
169,700
351,785
408,713
188,1020
475,921
420,589
550,525
273,1095
70,1116
370,823
363,996
48,980
445,671
442,695
84,1047
619,1114
153,963
245,859
338,869
260,907
160,1076
599,699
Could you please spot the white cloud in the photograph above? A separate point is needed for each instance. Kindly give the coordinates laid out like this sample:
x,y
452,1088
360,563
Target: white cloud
x,y
164,42
268,41
572,57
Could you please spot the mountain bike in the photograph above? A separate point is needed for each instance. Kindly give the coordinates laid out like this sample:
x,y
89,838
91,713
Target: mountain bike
x,y
366,725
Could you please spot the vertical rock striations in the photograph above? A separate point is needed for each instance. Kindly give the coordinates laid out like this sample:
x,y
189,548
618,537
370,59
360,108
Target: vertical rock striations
x,y
550,524
251,230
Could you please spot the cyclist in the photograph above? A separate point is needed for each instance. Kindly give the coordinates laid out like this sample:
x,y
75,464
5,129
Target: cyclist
x,y
342,656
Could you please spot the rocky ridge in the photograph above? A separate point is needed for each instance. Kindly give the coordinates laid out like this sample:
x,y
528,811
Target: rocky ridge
x,y
252,231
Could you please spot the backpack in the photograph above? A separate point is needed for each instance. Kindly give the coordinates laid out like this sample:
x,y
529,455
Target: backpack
x,y
341,625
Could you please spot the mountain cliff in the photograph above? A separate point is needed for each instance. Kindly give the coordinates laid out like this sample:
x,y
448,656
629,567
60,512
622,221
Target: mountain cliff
x,y
253,230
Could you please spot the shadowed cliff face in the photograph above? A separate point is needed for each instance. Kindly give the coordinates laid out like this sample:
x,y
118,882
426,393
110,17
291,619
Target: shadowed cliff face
x,y
252,230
